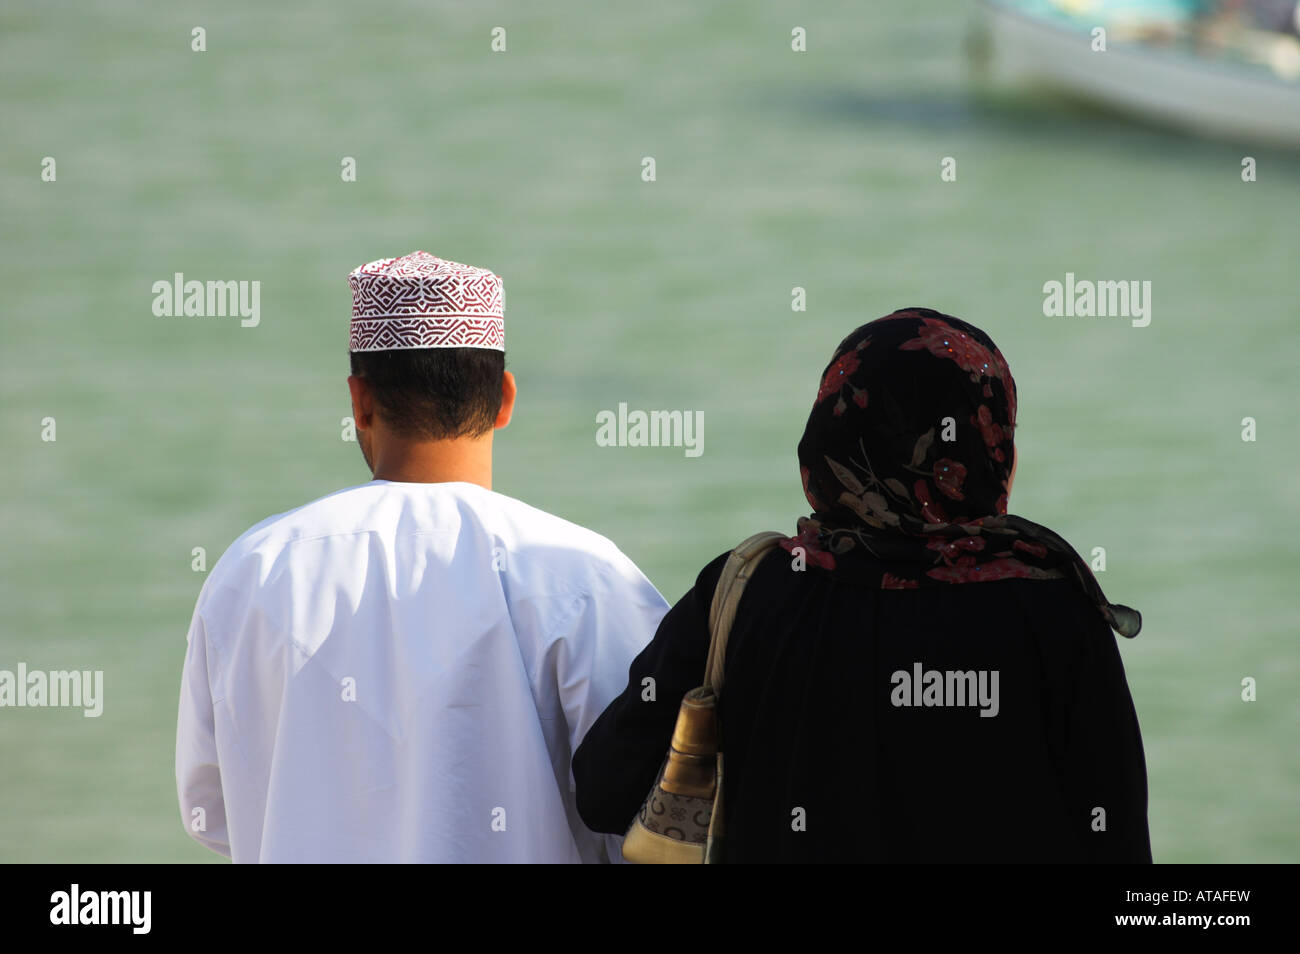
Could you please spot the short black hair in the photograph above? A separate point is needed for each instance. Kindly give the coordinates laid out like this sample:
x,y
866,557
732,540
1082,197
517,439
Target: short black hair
x,y
435,393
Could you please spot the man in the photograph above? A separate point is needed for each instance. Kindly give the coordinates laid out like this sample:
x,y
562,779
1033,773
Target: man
x,y
401,670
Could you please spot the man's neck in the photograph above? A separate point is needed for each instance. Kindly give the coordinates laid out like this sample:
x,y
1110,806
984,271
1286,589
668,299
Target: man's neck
x,y
467,459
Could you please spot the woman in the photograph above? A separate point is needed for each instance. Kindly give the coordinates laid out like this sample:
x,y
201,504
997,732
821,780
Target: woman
x,y
916,675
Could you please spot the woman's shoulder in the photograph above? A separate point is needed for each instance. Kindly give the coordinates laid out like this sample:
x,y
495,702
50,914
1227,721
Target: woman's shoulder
x,y
1056,605
764,562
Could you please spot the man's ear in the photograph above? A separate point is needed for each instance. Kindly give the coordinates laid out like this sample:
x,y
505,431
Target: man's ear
x,y
363,402
508,392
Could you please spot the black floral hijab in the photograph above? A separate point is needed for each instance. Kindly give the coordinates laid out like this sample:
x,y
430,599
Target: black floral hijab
x,y
906,460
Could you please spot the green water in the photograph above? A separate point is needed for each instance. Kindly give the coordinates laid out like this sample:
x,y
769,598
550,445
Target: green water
x,y
774,169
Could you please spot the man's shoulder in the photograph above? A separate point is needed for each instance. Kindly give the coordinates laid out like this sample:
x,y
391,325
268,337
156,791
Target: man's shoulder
x,y
532,536
567,554
542,527
333,513
250,559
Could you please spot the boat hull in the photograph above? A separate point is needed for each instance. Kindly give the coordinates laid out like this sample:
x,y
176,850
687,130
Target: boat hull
x,y
1216,98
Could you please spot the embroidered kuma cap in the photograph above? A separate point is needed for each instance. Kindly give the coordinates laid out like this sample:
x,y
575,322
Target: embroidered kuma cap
x,y
422,301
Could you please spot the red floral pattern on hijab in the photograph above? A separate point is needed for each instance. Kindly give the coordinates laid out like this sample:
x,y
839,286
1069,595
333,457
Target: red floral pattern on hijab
x,y
833,380
945,341
948,475
840,375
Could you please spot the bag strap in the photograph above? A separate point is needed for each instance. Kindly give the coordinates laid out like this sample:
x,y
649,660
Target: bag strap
x,y
726,598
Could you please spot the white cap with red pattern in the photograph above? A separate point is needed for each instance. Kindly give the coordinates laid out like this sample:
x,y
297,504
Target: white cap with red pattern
x,y
422,301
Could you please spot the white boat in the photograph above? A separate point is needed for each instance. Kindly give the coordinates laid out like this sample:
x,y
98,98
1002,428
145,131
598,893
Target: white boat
x,y
1175,84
